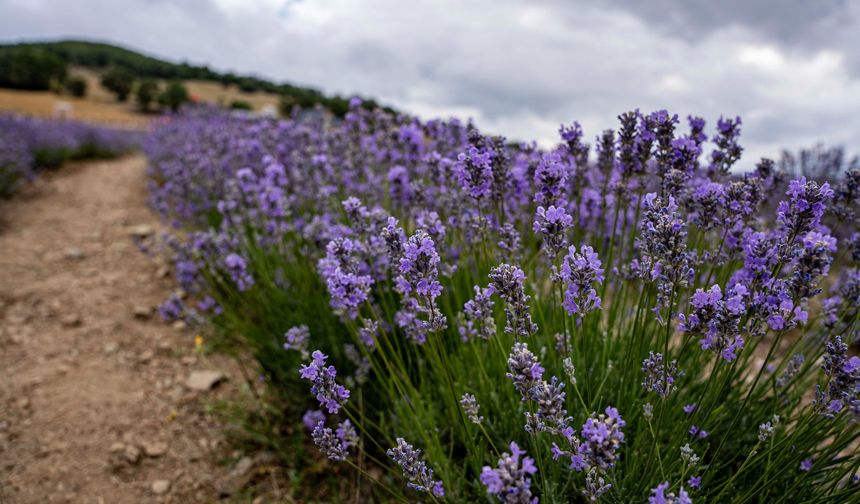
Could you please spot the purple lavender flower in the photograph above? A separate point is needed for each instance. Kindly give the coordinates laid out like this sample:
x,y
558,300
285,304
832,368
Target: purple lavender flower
x,y
803,210
551,415
602,437
550,178
526,371
297,338
171,309
628,144
662,245
697,432
238,269
311,418
508,281
368,332
697,129
418,267
418,283
689,408
663,131
551,224
335,444
806,465
474,172
660,378
728,150
595,485
415,470
348,287
470,408
395,240
843,385
580,271
327,391
572,136
716,318
477,318
695,481
510,481
660,495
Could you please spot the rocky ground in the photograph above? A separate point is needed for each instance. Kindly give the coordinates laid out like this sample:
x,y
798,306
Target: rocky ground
x,y
100,401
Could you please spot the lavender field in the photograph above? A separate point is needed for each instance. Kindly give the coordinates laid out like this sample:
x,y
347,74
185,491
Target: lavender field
x,y
370,251
445,315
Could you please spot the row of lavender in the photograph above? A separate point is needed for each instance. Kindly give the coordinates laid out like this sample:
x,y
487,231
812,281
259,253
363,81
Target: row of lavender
x,y
28,145
494,320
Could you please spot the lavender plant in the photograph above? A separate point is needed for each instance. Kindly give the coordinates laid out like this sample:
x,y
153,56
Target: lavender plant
x,y
648,323
28,145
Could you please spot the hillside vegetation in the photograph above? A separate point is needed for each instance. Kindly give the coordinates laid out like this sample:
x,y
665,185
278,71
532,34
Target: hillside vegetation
x,y
44,65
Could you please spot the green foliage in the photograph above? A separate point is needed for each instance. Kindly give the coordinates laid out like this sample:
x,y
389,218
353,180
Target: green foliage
x,y
119,81
241,105
146,93
174,95
249,85
100,55
76,86
30,68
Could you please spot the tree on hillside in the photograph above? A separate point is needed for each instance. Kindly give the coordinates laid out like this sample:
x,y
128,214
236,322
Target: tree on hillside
x,y
174,95
118,81
76,86
25,68
147,93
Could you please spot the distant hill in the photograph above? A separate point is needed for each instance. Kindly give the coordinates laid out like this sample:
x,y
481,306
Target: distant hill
x,y
19,60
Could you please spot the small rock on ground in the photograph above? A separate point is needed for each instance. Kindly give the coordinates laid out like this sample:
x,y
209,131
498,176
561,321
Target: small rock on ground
x,y
204,380
160,487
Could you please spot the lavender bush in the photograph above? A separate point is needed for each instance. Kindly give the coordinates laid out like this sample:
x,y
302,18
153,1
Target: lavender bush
x,y
500,322
28,145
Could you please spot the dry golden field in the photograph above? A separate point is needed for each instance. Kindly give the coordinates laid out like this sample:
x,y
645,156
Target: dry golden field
x,y
99,106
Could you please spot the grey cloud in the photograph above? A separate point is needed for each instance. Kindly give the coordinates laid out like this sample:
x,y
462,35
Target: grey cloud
x,y
520,68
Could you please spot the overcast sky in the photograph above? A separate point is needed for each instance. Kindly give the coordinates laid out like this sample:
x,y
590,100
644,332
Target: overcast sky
x,y
789,68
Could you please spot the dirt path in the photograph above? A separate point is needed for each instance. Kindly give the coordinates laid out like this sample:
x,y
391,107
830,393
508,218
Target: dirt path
x,y
94,401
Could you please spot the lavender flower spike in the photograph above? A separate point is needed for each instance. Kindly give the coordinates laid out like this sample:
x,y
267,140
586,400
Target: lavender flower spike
x,y
297,339
551,224
510,481
415,470
526,371
580,271
508,281
661,497
335,444
328,392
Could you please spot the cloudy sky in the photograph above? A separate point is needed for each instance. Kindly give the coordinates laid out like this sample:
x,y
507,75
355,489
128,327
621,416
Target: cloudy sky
x,y
789,68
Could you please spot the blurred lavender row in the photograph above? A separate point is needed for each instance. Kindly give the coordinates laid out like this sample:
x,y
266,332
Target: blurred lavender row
x,y
28,145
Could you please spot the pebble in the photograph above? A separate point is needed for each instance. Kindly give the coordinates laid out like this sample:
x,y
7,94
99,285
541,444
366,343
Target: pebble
x,y
204,380
132,454
74,254
146,356
141,231
160,487
71,320
142,312
155,449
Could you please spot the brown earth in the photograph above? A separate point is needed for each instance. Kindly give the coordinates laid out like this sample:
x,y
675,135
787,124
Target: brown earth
x,y
94,404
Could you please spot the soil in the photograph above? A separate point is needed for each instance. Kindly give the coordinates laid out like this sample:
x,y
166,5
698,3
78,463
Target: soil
x,y
94,405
